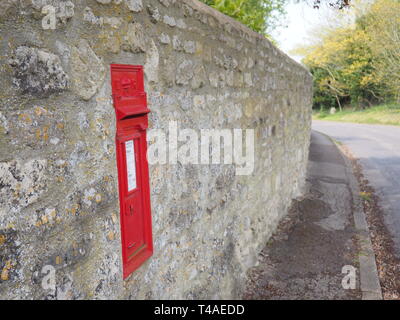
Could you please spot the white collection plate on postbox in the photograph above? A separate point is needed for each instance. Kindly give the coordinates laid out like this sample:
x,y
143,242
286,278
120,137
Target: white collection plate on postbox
x,y
130,164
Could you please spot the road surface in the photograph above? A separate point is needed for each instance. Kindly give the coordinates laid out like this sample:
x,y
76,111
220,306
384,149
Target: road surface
x,y
378,148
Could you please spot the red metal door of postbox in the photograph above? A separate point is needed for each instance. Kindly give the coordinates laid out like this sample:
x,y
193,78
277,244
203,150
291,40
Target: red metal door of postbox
x,y
133,177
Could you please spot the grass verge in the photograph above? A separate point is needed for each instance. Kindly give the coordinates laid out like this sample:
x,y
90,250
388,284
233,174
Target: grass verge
x,y
388,114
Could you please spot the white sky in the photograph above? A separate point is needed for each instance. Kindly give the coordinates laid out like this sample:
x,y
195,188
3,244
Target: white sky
x,y
301,19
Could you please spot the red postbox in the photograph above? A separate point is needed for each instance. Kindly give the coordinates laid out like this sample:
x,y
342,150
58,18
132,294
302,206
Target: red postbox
x,y
130,103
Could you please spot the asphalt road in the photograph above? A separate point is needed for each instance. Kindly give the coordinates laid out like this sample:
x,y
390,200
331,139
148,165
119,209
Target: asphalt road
x,y
378,148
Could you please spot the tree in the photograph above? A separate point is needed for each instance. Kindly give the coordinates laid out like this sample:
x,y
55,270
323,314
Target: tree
x,y
263,16
358,63
383,26
260,15
341,4
342,68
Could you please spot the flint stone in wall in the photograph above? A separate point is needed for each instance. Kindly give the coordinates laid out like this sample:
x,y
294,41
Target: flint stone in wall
x,y
213,79
230,78
135,5
181,24
30,38
189,47
169,72
113,22
154,14
238,80
38,72
39,4
199,78
152,62
184,73
22,183
135,40
167,3
251,63
89,16
170,21
248,79
177,44
109,1
4,124
87,70
165,39
64,9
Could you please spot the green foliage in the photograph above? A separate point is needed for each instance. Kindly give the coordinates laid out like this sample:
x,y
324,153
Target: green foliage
x,y
260,15
322,99
358,64
383,25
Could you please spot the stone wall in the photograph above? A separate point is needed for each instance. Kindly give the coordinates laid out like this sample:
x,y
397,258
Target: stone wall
x,y
59,209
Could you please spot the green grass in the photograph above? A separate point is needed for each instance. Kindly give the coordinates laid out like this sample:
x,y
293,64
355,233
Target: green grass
x,y
366,196
388,114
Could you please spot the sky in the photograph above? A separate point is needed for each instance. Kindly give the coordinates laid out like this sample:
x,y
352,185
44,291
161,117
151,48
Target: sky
x,y
301,19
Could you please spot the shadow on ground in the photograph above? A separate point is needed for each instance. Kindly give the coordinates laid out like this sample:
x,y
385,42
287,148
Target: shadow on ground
x,y
305,257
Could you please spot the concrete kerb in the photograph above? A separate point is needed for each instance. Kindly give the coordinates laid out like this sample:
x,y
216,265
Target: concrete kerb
x,y
369,279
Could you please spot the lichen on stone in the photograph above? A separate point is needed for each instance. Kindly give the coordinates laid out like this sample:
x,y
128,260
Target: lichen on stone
x,y
38,72
22,183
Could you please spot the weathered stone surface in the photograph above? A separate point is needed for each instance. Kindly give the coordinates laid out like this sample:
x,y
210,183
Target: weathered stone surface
x,y
4,124
21,183
165,39
152,62
167,3
38,72
169,21
248,79
58,174
184,72
135,5
213,77
199,78
154,13
5,5
113,43
64,10
217,80
180,23
189,47
87,70
89,16
113,22
238,80
230,78
135,38
176,43
199,102
169,72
